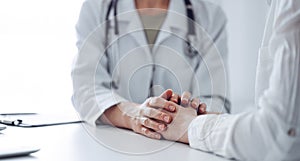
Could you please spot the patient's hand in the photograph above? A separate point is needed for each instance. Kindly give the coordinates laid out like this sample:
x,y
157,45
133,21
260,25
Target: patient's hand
x,y
177,129
186,110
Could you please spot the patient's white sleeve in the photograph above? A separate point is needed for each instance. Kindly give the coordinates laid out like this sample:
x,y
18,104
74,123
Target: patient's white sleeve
x,y
271,132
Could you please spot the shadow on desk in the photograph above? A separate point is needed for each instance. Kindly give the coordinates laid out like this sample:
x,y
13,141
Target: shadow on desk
x,y
125,143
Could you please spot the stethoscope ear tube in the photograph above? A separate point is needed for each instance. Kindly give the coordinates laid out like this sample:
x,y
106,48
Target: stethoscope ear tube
x,y
115,17
113,3
107,22
191,16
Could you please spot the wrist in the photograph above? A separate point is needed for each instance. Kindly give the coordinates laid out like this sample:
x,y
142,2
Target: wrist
x,y
128,111
119,115
184,138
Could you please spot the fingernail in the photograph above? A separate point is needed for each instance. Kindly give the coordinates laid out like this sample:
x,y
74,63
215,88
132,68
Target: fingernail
x,y
172,108
161,127
202,109
167,118
184,100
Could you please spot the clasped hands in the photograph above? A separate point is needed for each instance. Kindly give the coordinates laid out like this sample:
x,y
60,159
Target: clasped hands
x,y
167,116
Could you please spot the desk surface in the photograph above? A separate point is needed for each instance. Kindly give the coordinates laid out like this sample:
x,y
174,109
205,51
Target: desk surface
x,y
80,142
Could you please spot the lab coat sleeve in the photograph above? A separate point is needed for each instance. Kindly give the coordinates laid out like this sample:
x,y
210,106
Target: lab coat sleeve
x,y
93,93
211,75
263,134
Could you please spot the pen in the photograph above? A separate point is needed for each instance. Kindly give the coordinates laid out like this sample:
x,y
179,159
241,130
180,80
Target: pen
x,y
8,122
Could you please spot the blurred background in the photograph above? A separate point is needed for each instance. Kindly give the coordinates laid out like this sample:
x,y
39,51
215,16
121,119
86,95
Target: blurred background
x,y
246,21
37,46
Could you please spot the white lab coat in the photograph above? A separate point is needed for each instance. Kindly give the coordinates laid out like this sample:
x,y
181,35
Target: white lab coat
x,y
129,68
272,132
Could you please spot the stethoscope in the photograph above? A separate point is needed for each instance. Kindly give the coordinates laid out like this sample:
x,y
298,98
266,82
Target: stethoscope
x,y
191,51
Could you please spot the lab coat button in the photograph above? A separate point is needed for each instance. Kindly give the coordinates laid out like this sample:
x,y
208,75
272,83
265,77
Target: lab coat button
x,y
292,132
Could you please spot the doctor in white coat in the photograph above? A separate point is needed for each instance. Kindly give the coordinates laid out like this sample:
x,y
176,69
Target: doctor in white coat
x,y
272,132
117,68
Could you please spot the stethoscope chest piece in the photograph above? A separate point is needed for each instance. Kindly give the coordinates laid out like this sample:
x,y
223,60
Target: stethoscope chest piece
x,y
191,50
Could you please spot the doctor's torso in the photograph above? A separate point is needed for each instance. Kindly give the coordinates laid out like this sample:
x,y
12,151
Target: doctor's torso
x,y
137,70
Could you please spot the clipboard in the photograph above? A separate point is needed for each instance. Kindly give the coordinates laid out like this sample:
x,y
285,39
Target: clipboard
x,y
31,120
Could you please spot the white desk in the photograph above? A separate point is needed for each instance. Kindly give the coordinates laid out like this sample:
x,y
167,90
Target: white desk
x,y
79,142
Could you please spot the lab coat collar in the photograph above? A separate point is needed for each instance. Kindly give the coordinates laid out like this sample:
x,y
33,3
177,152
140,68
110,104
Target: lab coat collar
x,y
176,20
176,17
128,23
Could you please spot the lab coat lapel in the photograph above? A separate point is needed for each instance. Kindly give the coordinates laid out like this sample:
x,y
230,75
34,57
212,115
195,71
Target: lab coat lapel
x,y
176,21
130,23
